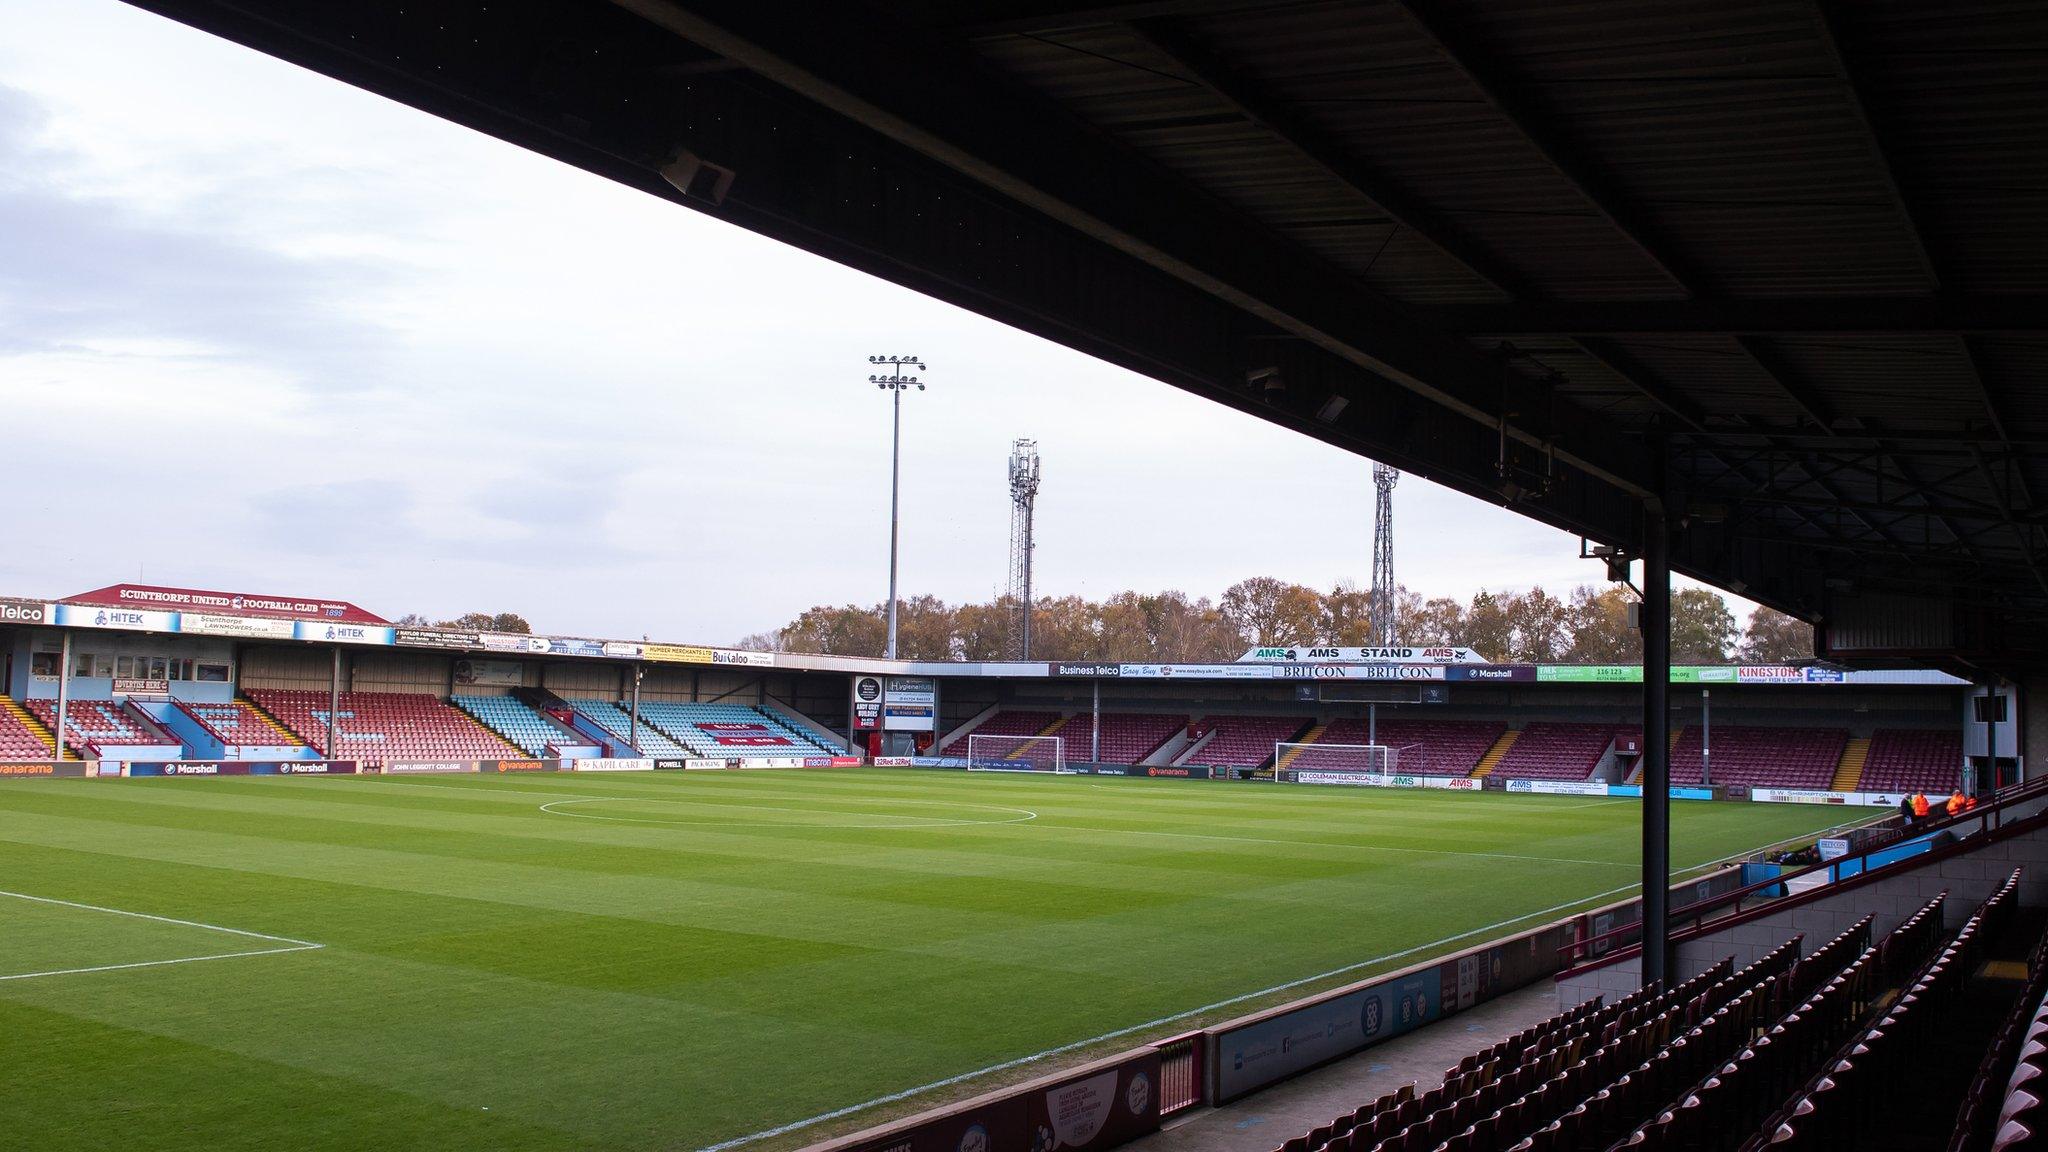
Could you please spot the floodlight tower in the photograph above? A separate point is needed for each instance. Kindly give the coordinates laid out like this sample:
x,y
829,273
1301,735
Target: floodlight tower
x,y
1023,500
1382,605
893,381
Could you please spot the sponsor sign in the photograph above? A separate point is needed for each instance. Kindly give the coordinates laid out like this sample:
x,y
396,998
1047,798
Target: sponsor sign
x,y
494,673
622,650
702,765
675,653
1089,1109
892,761
517,765
1590,673
1767,674
752,760
428,767
126,619
127,686
1277,1047
151,596
1358,672
569,646
910,704
42,769
436,638
246,627
735,735
734,656
1379,779
1806,796
609,764
1823,676
1453,783
1194,672
305,768
329,632
1095,671
661,763
191,768
1396,654
1491,673
26,612
1832,847
1559,787
512,642
867,703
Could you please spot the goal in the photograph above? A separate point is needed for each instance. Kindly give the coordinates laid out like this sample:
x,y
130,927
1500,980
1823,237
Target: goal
x,y
1016,753
1327,763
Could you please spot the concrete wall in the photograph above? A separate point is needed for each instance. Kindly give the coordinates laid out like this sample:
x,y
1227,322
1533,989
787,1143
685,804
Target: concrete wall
x,y
1969,878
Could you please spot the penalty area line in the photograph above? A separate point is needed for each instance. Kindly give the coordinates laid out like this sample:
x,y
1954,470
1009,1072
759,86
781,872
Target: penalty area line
x,y
1063,1049
290,945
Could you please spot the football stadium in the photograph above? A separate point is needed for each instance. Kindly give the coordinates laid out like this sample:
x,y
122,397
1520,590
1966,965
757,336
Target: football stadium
x,y
1746,294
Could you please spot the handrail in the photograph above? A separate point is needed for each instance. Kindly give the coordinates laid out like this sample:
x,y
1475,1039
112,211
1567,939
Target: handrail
x,y
1693,915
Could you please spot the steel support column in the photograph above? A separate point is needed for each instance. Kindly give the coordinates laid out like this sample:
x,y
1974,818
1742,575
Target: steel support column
x,y
1656,624
334,704
63,697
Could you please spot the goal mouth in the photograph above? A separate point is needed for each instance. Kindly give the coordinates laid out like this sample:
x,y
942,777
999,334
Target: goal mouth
x,y
1016,754
1291,758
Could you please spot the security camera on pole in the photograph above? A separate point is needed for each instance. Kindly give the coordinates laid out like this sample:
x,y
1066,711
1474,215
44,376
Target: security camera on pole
x,y
896,383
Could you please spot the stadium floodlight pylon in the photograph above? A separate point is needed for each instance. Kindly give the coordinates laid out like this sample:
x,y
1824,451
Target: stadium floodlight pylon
x,y
1016,753
1363,759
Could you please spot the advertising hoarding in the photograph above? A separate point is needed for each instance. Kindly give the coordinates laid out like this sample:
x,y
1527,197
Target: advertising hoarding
x,y
490,673
243,627
910,704
442,638
867,703
1392,654
675,653
43,769
26,611
329,632
610,764
125,619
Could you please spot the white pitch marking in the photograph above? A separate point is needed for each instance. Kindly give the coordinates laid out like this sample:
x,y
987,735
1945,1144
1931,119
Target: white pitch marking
x,y
929,822
905,1094
294,945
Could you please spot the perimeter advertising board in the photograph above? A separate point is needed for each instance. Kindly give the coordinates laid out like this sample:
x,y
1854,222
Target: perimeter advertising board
x,y
42,769
1255,1051
240,768
675,653
610,764
1807,796
436,638
125,619
1394,654
1097,1107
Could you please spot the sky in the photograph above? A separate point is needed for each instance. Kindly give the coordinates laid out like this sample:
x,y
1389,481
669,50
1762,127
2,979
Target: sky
x,y
263,332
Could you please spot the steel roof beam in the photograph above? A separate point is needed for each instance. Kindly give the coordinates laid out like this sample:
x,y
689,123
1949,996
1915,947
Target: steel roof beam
x,y
1933,314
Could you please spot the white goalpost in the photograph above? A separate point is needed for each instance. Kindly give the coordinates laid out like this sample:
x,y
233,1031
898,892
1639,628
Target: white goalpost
x,y
1016,753
1330,763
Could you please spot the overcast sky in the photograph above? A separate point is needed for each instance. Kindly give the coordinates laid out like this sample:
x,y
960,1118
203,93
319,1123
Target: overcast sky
x,y
263,332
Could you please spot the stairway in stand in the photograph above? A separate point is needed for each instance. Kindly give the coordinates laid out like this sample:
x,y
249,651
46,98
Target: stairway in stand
x,y
1497,753
39,729
1849,773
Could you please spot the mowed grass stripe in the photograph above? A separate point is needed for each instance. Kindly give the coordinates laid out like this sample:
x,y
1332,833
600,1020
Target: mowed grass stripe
x,y
649,986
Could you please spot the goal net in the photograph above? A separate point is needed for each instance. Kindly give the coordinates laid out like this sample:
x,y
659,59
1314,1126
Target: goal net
x,y
1016,753
1329,763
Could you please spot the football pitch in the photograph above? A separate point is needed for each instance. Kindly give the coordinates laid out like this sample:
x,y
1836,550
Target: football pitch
x,y
686,961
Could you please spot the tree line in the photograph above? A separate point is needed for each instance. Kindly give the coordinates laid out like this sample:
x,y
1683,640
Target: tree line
x,y
1590,625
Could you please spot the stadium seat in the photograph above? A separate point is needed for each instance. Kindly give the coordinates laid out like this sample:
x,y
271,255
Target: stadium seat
x,y
1760,757
1553,751
236,724
1913,760
88,724
513,720
17,740
1244,741
1426,747
377,727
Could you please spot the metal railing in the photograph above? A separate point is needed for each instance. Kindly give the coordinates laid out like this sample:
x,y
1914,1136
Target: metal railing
x,y
1619,943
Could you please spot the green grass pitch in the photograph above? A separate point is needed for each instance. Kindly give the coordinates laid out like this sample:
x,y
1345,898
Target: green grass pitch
x,y
633,961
